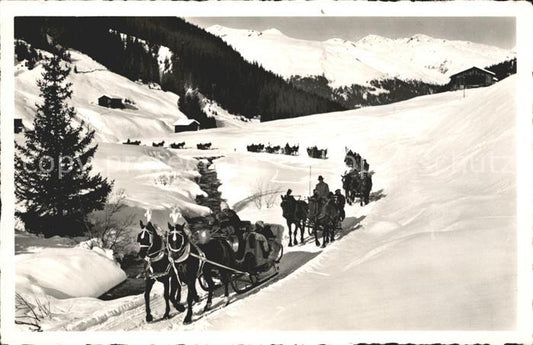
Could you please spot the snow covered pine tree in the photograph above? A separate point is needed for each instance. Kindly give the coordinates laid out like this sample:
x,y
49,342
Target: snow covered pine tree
x,y
53,183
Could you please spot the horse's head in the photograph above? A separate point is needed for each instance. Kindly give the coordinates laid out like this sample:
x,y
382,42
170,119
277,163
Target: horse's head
x,y
288,205
346,180
146,238
176,238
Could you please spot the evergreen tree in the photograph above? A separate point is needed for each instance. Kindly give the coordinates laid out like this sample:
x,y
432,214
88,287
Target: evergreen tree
x,y
53,180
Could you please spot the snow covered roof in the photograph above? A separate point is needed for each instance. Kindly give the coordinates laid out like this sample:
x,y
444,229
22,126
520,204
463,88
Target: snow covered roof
x,y
185,122
110,97
474,67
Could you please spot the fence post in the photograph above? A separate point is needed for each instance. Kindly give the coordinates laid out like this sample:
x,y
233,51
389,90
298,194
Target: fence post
x,y
309,180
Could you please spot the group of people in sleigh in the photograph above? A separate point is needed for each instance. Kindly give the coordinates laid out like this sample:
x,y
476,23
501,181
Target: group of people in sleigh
x,y
253,244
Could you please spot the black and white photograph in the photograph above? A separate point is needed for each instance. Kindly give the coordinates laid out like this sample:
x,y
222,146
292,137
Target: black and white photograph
x,y
201,174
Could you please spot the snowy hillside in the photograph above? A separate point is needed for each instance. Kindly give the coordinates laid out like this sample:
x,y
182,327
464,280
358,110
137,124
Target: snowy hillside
x,y
419,57
158,178
435,248
155,111
152,113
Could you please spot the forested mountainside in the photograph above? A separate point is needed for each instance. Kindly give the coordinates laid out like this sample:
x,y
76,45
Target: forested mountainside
x,y
384,91
198,60
378,92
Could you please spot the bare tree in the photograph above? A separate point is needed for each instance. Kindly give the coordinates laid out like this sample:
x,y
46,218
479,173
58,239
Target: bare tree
x,y
265,194
111,226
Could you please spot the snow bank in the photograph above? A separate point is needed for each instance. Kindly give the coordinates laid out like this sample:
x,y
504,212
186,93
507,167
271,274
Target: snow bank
x,y
66,272
152,177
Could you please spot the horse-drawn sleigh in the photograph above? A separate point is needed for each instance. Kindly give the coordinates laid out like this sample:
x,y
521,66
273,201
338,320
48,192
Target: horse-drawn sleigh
x,y
179,258
315,215
357,185
257,250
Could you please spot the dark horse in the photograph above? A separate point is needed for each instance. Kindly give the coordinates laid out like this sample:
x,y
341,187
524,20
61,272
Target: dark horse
x,y
153,251
295,212
190,261
351,183
324,216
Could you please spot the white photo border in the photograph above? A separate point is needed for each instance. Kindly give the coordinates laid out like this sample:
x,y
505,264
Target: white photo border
x,y
521,11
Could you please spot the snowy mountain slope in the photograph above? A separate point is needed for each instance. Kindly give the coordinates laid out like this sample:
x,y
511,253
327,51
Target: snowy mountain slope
x,y
158,178
223,117
435,249
156,112
419,57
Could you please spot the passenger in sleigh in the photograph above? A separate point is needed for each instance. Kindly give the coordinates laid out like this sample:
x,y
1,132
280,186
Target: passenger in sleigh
x,y
228,218
264,229
256,247
230,227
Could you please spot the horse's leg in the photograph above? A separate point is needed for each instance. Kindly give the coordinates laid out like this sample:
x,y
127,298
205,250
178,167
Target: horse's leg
x,y
290,233
175,293
315,230
195,296
148,287
225,280
191,279
346,192
190,300
295,233
211,287
324,236
301,223
166,294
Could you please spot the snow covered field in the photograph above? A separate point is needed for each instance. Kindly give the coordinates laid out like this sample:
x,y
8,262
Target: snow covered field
x,y
437,251
434,250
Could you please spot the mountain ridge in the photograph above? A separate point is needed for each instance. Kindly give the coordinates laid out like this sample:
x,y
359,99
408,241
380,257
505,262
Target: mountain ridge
x,y
419,57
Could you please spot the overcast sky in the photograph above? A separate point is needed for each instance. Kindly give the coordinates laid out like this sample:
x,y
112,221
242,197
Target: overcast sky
x,y
496,31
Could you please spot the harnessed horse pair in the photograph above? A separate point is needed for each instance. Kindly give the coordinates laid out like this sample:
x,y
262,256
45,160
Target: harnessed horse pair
x,y
322,216
355,186
176,261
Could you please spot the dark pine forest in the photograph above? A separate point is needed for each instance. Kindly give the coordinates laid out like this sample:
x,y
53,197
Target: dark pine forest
x,y
201,61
